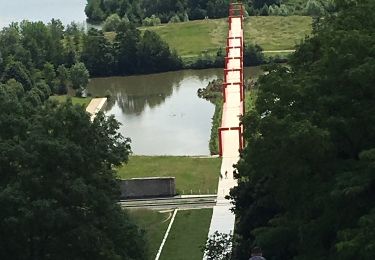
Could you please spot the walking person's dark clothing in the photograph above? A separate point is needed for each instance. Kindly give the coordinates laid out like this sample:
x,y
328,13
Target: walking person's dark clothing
x,y
256,254
257,258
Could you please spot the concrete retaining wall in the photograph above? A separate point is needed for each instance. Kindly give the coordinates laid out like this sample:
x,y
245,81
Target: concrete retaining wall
x,y
138,188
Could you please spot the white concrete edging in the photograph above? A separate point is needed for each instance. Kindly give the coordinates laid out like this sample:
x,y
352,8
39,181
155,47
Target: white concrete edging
x,y
166,235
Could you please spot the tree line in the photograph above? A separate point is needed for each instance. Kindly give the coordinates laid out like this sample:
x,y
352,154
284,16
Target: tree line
x,y
306,177
55,56
153,12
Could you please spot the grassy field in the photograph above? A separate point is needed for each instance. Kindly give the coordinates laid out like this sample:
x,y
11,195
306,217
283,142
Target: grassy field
x,y
188,235
270,32
191,173
154,224
277,32
76,100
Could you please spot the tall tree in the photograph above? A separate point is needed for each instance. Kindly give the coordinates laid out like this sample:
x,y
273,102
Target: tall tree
x,y
126,41
97,53
305,189
79,76
58,192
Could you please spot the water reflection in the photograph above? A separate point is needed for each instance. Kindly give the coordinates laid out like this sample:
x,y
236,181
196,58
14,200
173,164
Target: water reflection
x,y
161,113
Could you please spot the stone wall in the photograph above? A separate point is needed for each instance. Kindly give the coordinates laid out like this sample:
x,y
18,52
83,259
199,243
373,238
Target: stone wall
x,y
138,188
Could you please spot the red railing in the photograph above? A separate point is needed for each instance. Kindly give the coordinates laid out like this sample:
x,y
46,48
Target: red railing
x,y
236,10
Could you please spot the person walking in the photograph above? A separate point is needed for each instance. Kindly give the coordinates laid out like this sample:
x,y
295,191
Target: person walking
x,y
256,254
226,174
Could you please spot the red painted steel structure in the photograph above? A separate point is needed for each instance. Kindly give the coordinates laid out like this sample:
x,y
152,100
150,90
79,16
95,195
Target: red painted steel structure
x,y
236,10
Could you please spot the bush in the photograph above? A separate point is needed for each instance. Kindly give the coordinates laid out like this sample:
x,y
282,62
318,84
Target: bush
x,y
186,17
79,92
108,94
151,21
253,55
175,19
264,10
62,90
314,8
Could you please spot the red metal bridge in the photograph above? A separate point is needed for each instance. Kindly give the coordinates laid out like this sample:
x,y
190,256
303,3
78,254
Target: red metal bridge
x,y
231,130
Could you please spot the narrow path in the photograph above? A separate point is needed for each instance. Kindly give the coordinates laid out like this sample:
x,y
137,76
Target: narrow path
x,y
166,235
279,51
230,132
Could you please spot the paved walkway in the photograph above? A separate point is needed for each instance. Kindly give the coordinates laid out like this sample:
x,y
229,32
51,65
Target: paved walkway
x,y
96,104
230,132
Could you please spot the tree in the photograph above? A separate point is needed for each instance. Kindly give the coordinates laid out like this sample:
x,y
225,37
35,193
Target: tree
x,y
154,54
94,11
253,55
16,70
306,177
58,193
264,10
49,75
111,23
218,247
79,76
63,78
314,8
97,53
126,41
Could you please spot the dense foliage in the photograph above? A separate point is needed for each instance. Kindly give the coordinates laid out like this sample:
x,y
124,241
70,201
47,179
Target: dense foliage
x,y
306,178
152,12
58,193
33,52
166,10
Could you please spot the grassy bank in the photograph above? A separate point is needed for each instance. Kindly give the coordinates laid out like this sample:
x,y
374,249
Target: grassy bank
x,y
75,100
272,33
154,224
193,175
216,123
188,235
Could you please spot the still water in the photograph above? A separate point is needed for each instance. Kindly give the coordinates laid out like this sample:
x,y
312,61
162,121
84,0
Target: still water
x,y
42,10
162,113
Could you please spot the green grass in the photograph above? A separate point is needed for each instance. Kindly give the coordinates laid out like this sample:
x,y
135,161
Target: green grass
x,y
154,224
250,98
75,100
277,32
187,236
191,173
195,37
216,123
271,32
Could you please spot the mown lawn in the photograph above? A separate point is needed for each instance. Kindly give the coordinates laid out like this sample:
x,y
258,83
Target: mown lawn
x,y
188,235
277,32
193,175
75,100
194,37
271,32
154,224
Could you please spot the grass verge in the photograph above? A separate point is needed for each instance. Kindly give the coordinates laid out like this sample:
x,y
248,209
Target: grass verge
x,y
216,123
193,175
188,235
154,224
76,100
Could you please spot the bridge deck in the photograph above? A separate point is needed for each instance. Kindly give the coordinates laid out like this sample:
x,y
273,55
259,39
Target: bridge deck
x,y
222,218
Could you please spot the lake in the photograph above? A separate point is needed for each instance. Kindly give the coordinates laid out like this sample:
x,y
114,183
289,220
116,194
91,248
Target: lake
x,y
42,10
162,113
